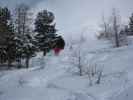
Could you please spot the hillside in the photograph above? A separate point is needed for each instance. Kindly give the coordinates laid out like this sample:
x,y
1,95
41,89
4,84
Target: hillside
x,y
55,77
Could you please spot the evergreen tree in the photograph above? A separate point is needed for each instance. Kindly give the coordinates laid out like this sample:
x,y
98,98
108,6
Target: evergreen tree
x,y
45,28
3,30
25,47
7,37
10,45
28,49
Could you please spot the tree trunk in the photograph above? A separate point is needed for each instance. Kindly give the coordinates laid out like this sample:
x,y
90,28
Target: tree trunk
x,y
44,53
19,62
9,62
79,65
80,70
27,62
115,26
116,38
99,77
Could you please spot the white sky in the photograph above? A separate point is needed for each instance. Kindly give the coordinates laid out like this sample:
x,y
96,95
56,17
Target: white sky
x,y
75,15
72,16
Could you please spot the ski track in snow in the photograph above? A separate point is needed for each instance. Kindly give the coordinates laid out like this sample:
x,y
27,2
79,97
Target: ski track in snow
x,y
78,95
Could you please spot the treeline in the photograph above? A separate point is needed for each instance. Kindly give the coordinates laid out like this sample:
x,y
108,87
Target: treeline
x,y
19,41
112,29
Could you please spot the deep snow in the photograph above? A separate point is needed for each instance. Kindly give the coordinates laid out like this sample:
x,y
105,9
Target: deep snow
x,y
55,77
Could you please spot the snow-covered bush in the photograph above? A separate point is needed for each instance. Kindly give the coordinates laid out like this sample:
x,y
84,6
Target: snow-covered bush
x,y
113,30
94,72
78,52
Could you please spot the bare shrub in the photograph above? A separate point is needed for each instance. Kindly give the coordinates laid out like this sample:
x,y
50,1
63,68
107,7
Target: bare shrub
x,y
94,73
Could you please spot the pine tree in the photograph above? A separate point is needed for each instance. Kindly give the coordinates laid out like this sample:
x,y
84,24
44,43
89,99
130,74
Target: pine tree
x,y
28,49
7,37
10,45
45,28
25,47
4,16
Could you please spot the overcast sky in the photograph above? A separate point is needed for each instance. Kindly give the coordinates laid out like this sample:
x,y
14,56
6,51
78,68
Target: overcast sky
x,y
75,15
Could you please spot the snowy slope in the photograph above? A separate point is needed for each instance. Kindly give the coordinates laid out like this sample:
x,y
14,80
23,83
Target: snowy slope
x,y
125,95
54,78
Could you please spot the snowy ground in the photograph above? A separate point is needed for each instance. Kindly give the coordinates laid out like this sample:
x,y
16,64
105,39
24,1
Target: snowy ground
x,y
56,79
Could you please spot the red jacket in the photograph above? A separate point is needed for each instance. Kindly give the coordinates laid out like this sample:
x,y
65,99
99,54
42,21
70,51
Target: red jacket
x,y
57,50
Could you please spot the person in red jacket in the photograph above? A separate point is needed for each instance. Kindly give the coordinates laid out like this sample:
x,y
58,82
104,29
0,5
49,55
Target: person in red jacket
x,y
59,45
